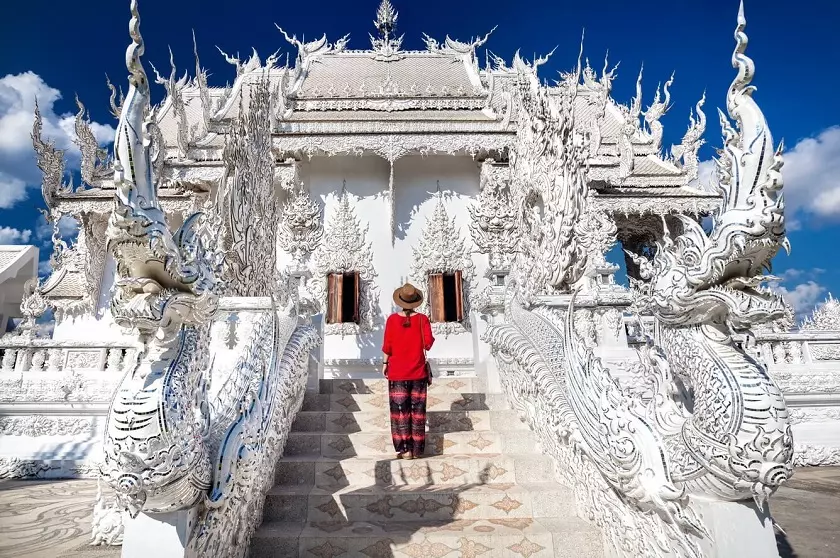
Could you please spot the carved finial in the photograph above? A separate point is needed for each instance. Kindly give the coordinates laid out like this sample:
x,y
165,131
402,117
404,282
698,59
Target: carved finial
x,y
386,23
386,19
135,50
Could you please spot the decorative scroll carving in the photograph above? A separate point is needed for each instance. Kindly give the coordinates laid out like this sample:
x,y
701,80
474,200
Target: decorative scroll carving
x,y
345,249
300,225
596,231
441,249
94,165
248,200
495,221
107,526
630,116
549,170
657,110
685,154
172,443
51,161
602,88
39,425
175,95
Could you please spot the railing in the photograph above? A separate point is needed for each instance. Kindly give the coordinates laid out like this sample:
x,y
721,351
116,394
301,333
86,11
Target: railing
x,y
777,349
20,354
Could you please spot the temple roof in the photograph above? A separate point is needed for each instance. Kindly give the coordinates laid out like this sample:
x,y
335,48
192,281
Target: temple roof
x,y
362,75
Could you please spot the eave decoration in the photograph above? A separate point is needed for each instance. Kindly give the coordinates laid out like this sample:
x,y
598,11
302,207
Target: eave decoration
x,y
344,249
441,250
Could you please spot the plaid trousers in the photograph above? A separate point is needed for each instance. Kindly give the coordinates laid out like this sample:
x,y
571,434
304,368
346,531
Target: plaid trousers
x,y
408,415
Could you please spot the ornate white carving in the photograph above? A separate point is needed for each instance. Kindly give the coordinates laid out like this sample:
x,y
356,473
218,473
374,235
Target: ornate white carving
x,y
175,97
386,46
107,526
51,162
39,425
183,433
495,220
809,455
657,110
247,199
94,165
393,145
685,154
441,249
548,168
154,455
825,317
14,468
345,249
657,446
300,225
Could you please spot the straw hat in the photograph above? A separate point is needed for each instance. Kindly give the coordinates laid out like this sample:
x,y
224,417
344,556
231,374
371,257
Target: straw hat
x,y
408,297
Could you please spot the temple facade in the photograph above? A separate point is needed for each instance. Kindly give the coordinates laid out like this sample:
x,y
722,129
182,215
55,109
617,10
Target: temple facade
x,y
389,164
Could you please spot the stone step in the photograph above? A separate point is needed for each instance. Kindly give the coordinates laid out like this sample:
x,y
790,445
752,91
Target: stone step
x,y
459,384
334,473
437,443
488,538
355,402
380,421
415,503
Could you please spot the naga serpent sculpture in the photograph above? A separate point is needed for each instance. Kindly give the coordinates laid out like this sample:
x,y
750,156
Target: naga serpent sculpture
x,y
708,422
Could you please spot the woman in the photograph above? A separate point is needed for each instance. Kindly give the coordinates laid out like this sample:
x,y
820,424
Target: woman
x,y
408,335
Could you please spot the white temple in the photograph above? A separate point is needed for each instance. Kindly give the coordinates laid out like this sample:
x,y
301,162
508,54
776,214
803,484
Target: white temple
x,y
234,267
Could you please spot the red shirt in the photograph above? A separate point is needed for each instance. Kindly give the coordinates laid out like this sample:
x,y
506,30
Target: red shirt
x,y
404,346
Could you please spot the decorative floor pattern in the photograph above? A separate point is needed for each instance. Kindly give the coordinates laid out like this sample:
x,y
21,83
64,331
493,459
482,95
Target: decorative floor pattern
x,y
482,490
48,519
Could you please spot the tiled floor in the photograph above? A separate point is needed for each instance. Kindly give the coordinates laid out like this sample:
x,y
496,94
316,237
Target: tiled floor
x,y
51,519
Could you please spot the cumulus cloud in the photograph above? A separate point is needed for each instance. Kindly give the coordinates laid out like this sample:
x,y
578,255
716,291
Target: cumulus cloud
x,y
812,175
706,179
805,294
18,171
8,235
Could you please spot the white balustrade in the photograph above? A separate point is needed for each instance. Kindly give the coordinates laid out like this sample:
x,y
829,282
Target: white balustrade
x,y
777,349
20,354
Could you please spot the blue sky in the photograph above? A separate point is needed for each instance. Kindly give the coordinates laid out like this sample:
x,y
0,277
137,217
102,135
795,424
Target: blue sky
x,y
53,50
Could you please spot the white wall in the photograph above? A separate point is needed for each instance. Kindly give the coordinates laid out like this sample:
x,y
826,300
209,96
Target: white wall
x,y
415,184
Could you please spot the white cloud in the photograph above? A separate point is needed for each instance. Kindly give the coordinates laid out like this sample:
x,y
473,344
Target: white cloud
x,y
8,235
706,178
17,113
811,173
803,297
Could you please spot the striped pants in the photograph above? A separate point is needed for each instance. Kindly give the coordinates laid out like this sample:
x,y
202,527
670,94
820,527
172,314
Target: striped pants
x,y
408,415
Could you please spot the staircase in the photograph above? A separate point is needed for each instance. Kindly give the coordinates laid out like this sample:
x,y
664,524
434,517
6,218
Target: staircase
x,y
483,489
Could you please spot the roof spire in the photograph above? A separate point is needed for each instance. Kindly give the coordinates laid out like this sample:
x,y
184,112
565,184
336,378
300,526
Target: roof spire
x,y
386,22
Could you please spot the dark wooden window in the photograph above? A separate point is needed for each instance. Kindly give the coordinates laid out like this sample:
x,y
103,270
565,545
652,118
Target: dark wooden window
x,y
343,297
446,297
